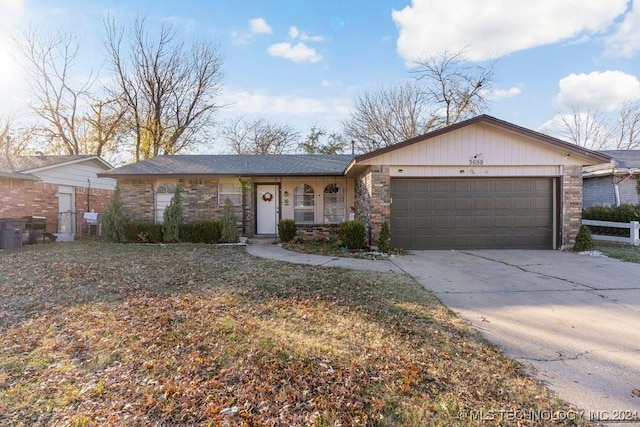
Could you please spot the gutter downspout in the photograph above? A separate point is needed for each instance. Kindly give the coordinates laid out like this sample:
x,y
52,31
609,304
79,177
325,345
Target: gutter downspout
x,y
616,188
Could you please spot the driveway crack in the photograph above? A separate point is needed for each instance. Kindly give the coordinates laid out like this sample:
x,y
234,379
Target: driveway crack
x,y
532,272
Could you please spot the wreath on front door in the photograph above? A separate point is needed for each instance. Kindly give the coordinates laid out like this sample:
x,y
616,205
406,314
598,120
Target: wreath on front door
x,y
267,197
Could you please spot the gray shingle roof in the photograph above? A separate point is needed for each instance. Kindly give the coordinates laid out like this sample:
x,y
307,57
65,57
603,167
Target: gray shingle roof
x,y
625,159
249,165
28,163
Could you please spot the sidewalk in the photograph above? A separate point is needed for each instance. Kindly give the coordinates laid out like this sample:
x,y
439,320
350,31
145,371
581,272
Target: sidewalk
x,y
266,249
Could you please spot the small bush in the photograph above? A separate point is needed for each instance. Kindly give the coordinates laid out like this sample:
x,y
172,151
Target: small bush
x,y
286,230
114,219
173,218
352,234
142,232
228,223
384,239
207,231
584,242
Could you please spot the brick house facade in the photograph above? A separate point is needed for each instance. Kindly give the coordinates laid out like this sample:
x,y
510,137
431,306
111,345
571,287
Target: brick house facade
x,y
532,183
34,186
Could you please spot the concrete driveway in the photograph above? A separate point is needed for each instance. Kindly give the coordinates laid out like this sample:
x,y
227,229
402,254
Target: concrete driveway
x,y
572,320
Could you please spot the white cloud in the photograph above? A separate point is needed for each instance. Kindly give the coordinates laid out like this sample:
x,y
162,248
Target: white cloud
x,y
606,90
505,93
331,83
253,102
494,28
260,26
295,33
626,39
297,53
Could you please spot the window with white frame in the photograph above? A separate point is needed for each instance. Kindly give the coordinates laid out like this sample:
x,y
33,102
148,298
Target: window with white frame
x,y
304,204
164,194
231,190
334,205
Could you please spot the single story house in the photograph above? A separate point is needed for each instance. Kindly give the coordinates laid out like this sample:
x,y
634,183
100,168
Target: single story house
x,y
59,188
613,183
481,183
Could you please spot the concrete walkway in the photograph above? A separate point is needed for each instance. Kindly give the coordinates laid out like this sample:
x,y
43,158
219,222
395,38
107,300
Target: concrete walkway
x,y
572,320
265,249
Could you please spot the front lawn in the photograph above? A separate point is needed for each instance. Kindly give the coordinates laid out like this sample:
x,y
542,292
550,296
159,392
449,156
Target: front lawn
x,y
137,335
622,251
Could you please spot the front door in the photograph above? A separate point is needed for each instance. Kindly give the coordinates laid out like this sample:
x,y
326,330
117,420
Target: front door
x,y
66,218
267,208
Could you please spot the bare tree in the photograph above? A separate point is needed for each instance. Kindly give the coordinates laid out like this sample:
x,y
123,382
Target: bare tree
x,y
389,116
47,60
14,140
446,90
454,87
69,120
258,136
628,127
167,88
333,143
588,129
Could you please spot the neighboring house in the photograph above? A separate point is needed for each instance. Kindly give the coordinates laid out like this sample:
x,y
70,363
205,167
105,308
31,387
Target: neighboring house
x,y
613,183
59,188
481,183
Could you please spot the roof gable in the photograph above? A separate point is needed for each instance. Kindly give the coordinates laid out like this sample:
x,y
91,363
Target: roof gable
x,y
525,136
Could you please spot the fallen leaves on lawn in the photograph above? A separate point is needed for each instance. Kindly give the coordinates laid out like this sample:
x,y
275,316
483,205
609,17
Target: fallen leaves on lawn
x,y
199,335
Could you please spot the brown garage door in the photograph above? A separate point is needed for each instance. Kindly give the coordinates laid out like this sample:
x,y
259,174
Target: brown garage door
x,y
472,213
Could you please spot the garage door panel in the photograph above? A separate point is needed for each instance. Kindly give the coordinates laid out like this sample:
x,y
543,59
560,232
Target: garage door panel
x,y
442,186
482,203
462,204
483,186
472,213
523,203
501,202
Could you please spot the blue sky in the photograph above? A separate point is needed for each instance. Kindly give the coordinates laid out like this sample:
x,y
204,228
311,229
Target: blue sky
x,y
302,62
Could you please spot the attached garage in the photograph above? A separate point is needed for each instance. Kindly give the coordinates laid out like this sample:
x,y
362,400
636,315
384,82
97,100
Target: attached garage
x,y
478,184
504,213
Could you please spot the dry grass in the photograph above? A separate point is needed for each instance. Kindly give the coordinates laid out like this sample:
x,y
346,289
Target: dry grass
x,y
99,334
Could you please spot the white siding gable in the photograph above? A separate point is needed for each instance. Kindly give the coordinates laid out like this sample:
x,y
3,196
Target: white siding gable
x,y
77,175
476,145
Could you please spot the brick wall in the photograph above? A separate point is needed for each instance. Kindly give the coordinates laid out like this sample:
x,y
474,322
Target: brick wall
x,y
373,199
598,191
571,204
199,201
629,190
20,198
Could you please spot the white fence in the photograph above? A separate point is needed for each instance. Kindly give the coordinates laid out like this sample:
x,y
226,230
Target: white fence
x,y
633,227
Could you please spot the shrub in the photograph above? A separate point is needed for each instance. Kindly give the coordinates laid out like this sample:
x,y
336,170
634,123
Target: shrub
x,y
584,242
623,213
286,230
384,239
142,231
172,219
114,219
207,231
228,223
352,234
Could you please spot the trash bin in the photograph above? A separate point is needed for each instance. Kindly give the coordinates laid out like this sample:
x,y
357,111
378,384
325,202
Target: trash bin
x,y
11,231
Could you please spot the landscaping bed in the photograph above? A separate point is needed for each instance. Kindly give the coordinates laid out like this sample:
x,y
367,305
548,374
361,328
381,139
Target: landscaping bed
x,y
188,334
334,247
